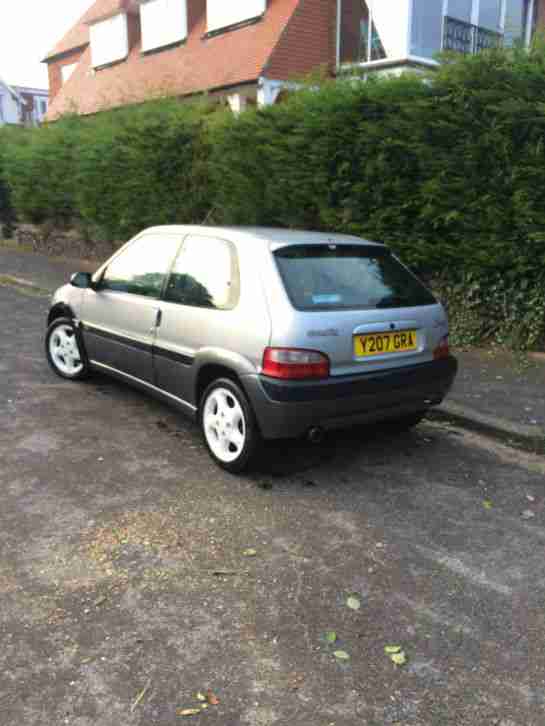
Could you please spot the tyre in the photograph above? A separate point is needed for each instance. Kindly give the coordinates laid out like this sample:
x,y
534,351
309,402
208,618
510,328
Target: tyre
x,y
64,350
229,426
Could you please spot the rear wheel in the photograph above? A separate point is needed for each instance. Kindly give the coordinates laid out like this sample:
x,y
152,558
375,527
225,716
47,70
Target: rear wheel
x,y
405,423
228,425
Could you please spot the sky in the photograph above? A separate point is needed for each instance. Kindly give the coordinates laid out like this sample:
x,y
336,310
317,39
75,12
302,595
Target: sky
x,y
29,29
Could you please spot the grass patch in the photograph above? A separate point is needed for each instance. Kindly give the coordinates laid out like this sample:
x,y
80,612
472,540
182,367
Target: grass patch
x,y
23,287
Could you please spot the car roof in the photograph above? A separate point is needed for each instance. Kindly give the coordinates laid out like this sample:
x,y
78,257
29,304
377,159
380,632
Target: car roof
x,y
274,237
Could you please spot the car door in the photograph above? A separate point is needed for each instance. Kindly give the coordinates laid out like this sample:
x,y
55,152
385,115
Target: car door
x,y
202,289
120,316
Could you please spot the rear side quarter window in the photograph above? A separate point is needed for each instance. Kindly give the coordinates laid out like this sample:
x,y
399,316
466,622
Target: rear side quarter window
x,y
205,274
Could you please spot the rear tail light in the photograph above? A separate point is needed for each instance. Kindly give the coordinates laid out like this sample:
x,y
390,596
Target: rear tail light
x,y
442,350
295,364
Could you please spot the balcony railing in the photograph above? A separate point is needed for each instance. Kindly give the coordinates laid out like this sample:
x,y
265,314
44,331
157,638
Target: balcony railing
x,y
468,39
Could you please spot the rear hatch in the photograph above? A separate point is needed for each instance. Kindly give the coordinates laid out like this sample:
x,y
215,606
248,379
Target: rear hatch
x,y
358,304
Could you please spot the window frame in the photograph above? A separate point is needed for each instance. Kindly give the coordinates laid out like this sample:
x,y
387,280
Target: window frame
x,y
98,277
235,274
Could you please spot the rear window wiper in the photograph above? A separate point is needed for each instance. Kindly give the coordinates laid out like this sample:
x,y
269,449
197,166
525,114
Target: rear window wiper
x,y
392,301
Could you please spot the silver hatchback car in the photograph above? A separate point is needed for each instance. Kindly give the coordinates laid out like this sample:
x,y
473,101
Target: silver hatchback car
x,y
258,333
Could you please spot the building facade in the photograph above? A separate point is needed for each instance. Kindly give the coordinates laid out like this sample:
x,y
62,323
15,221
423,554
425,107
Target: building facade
x,y
21,105
378,34
245,52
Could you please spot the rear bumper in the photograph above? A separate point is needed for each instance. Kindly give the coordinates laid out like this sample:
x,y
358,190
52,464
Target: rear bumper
x,y
288,409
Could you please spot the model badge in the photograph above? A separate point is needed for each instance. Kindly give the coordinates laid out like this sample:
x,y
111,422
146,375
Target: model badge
x,y
330,333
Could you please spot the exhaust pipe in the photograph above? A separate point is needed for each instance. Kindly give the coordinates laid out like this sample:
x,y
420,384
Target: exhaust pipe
x,y
316,435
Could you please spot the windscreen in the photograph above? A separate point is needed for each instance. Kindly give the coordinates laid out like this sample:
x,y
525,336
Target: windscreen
x,y
337,277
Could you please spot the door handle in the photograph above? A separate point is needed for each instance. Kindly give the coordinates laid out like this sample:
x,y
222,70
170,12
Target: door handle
x,y
158,318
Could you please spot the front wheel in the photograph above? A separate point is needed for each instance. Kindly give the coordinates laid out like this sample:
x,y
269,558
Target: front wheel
x,y
64,350
228,425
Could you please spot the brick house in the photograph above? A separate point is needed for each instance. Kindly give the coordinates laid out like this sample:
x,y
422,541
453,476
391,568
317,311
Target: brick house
x,y
126,51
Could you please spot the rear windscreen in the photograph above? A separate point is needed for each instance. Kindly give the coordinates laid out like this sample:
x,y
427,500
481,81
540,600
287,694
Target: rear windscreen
x,y
337,277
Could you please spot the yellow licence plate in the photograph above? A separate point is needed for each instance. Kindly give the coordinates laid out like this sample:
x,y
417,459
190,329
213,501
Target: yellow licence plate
x,y
381,343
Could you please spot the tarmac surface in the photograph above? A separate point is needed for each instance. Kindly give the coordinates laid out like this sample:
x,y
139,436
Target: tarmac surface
x,y
135,575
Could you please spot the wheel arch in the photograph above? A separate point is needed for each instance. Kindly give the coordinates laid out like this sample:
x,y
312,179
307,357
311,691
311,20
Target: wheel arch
x,y
213,364
60,310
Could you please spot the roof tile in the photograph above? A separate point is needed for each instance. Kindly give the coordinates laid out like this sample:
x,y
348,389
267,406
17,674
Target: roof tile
x,y
201,63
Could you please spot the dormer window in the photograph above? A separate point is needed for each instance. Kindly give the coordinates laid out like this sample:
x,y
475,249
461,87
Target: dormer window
x,y
222,14
109,40
164,23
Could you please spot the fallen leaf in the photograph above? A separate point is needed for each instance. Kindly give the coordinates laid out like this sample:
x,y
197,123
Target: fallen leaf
x,y
330,636
250,552
399,658
100,601
141,695
487,504
188,711
200,697
353,602
211,697
530,498
528,514
341,655
391,649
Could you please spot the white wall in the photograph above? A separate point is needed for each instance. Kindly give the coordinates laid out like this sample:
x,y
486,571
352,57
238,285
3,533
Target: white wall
x,y
391,18
10,108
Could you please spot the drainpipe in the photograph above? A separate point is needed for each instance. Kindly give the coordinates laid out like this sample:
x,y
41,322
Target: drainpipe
x,y
339,15
529,24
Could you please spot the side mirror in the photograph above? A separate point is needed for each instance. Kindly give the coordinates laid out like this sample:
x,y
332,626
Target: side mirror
x,y
83,280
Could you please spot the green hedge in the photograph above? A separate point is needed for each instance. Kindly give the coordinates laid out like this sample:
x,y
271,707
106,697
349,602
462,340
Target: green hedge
x,y
7,211
448,169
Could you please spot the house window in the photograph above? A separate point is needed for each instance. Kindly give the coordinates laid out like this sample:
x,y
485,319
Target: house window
x,y
109,40
164,22
360,40
43,107
427,27
469,26
67,71
222,14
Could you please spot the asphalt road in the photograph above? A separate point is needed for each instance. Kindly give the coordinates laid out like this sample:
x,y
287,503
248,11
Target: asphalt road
x,y
126,587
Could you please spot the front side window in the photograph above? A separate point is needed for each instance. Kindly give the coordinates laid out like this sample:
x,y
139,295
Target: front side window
x,y
205,275
142,267
348,277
